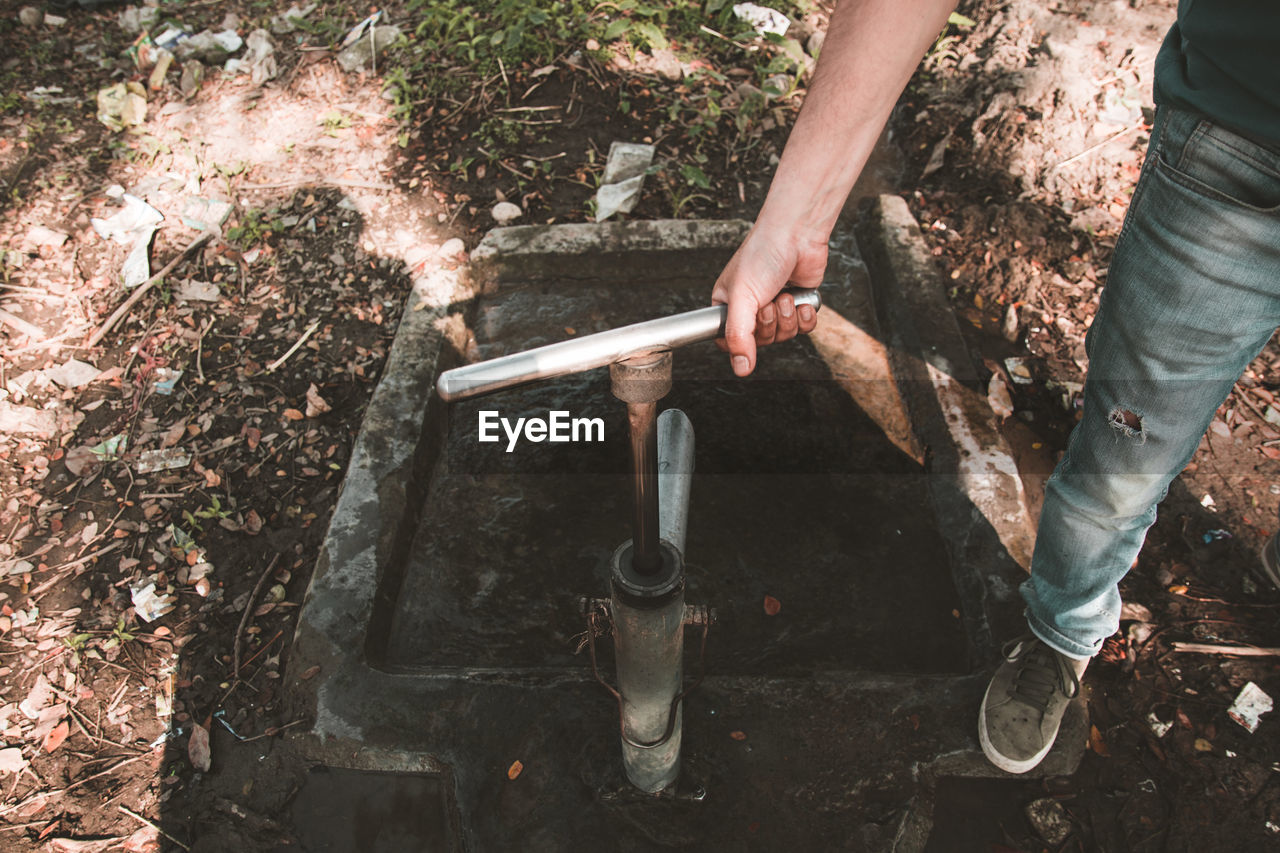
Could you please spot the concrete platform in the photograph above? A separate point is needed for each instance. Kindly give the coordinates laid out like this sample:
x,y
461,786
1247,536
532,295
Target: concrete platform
x,y
855,479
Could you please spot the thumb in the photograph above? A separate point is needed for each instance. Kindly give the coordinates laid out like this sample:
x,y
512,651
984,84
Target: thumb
x,y
740,332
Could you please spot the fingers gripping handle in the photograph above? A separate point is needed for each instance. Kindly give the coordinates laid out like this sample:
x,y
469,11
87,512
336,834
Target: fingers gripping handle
x,y
591,351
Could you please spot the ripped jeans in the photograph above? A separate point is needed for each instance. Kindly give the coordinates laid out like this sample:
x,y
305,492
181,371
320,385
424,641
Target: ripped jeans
x,y
1192,296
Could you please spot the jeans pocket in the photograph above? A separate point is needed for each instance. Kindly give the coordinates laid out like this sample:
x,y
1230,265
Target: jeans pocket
x,y
1221,165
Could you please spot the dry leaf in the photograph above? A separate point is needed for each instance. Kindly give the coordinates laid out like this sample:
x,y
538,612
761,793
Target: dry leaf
x,y
252,435
771,606
1097,744
54,739
310,672
145,840
198,748
292,414
316,404
252,522
516,768
11,760
738,736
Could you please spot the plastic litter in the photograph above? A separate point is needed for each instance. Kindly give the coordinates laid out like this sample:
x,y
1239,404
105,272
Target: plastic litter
x,y
623,177
1251,703
1216,535
287,21
762,19
110,450
149,604
162,460
363,52
207,46
136,223
259,59
135,19
360,29
122,105
166,379
1159,727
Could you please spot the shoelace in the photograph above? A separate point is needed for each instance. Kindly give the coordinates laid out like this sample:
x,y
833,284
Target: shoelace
x,y
1041,670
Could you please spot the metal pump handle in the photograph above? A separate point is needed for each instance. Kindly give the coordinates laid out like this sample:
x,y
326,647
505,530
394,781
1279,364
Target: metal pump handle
x,y
591,351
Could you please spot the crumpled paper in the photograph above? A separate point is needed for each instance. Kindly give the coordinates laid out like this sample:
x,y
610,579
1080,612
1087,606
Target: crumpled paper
x,y
122,105
135,224
624,173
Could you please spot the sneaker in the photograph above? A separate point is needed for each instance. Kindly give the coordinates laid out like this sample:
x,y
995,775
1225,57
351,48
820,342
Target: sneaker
x,y
1023,706
1270,567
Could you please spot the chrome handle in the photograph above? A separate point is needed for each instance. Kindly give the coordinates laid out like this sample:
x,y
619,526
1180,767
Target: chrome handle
x,y
591,351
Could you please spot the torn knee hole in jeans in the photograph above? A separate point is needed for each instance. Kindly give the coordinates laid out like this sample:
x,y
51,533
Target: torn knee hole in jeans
x,y
1127,422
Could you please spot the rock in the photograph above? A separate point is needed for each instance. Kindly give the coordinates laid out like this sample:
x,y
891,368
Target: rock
x,y
192,78
814,45
452,248
360,55
504,212
30,16
778,85
667,65
1050,821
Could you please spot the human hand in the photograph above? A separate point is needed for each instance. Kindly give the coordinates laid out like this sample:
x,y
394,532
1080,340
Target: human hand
x,y
750,285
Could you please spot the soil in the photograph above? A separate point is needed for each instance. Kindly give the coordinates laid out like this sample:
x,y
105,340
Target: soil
x,y
1020,139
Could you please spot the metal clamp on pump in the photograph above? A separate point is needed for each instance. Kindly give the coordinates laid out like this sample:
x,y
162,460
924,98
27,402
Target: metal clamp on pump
x,y
645,612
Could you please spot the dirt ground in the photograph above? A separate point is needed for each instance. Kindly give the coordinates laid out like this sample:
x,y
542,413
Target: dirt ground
x,y
195,444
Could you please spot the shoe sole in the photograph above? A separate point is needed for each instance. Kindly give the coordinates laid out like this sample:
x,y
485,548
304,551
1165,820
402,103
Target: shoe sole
x,y
1004,762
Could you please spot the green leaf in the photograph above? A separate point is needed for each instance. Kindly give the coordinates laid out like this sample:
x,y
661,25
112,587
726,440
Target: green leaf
x,y
694,175
961,21
617,28
651,34
714,6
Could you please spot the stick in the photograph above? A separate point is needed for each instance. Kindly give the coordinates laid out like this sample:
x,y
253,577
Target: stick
x,y
33,332
1220,649
1094,148
97,336
315,324
137,816
248,612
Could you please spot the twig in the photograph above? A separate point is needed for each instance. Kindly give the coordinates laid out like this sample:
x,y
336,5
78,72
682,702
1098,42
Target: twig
x,y
137,294
56,340
200,347
315,324
1102,144
248,612
137,816
1220,649
34,332
60,568
45,794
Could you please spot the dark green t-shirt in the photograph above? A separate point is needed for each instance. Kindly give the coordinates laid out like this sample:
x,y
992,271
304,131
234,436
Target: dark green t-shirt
x,y
1222,60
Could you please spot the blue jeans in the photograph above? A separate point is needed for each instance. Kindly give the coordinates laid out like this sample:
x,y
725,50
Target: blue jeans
x,y
1192,296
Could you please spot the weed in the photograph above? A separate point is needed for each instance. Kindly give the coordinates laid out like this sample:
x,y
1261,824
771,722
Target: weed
x,y
254,226
943,52
335,120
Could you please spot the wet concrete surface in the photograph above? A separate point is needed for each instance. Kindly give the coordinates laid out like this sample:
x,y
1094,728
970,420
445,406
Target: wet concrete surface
x,y
799,495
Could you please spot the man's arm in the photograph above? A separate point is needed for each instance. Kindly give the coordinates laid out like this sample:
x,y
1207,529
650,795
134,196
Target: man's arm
x,y
872,48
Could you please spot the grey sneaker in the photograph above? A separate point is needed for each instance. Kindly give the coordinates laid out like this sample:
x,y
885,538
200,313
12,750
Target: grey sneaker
x,y
1270,567
1023,706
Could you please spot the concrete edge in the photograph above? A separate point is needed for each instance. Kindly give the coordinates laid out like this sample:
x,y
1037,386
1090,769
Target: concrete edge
x,y
974,484
631,251
332,634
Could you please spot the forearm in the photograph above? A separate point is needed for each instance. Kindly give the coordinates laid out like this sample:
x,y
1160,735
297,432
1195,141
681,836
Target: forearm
x,y
872,48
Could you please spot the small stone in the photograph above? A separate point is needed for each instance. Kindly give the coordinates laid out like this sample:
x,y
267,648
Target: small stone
x,y
452,247
1050,820
815,42
504,212
30,16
